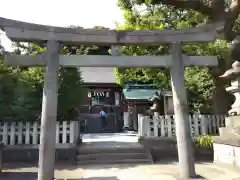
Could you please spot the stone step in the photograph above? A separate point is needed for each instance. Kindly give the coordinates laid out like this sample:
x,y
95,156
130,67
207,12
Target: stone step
x,y
113,161
112,156
106,130
109,150
110,147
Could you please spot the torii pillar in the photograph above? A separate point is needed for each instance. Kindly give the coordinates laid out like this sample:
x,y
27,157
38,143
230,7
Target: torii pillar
x,y
49,113
183,131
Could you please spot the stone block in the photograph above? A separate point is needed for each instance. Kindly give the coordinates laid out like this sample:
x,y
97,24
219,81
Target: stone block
x,y
232,121
30,153
236,151
237,162
165,148
216,148
223,153
158,142
227,140
223,131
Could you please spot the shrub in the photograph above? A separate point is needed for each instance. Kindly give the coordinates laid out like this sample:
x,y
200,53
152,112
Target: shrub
x,y
203,142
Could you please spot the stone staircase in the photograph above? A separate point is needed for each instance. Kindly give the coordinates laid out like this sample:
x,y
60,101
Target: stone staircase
x,y
112,154
112,148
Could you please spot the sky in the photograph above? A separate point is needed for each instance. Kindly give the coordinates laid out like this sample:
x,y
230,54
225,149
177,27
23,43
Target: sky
x,y
85,13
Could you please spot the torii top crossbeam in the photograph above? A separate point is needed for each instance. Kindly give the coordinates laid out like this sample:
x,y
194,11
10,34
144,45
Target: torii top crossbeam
x,y
28,32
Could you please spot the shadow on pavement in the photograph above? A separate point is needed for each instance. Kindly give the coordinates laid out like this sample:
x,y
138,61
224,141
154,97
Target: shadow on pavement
x,y
33,176
68,166
94,178
18,176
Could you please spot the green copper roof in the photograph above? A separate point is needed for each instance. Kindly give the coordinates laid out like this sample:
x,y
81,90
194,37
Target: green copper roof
x,y
139,93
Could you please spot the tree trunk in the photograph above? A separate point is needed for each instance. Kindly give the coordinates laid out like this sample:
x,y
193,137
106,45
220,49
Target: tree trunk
x,y
221,100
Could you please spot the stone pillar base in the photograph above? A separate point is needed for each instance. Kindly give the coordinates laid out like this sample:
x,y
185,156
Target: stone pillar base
x,y
226,147
232,121
227,151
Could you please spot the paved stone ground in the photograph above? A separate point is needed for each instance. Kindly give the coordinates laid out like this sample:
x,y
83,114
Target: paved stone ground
x,y
164,171
160,171
110,137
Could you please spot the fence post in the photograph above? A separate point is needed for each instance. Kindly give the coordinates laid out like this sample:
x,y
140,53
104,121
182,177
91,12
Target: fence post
x,y
155,125
218,124
5,133
162,126
210,124
223,124
140,125
57,132
27,133
204,125
20,132
126,119
190,124
64,132
169,126
77,131
72,131
12,133
35,132
214,125
147,128
196,124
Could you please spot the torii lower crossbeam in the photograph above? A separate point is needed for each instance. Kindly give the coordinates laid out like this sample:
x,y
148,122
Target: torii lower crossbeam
x,y
109,61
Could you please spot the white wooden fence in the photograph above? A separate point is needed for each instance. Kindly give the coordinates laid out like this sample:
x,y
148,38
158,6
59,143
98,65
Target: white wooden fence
x,y
164,126
12,133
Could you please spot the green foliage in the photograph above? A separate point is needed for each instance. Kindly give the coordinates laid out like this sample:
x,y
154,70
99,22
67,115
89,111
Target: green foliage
x,y
200,86
21,90
204,142
70,94
200,82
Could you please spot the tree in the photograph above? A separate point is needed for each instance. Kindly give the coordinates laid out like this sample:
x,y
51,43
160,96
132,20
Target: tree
x,y
21,89
154,16
8,80
226,12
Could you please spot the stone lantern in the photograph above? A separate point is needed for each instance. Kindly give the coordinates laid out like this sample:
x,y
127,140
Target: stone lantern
x,y
156,99
234,75
227,145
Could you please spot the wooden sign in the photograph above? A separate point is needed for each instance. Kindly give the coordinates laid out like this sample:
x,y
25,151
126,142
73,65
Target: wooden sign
x,y
100,94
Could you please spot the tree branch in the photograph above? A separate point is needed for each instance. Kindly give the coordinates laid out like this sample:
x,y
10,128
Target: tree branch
x,y
231,17
215,10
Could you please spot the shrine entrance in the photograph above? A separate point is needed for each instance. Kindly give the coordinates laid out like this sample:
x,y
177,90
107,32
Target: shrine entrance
x,y
51,59
91,122
102,93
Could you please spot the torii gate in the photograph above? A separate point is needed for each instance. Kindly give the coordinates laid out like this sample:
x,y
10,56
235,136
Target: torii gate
x,y
27,32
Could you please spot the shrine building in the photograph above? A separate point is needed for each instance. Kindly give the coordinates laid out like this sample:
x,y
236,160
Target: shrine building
x,y
103,93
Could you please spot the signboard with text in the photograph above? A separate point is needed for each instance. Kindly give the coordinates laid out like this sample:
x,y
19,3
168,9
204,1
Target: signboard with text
x,y
100,94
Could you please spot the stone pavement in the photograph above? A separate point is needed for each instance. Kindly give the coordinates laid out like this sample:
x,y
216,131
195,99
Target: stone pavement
x,y
160,171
